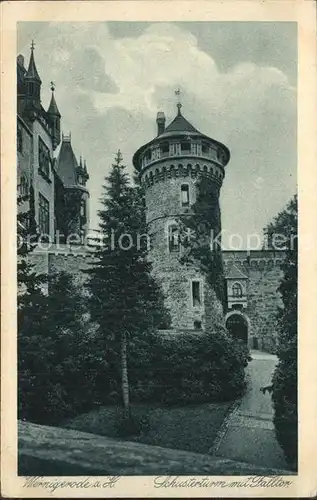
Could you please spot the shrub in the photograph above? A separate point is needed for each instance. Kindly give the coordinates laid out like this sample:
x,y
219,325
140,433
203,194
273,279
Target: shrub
x,y
285,403
134,424
188,368
59,359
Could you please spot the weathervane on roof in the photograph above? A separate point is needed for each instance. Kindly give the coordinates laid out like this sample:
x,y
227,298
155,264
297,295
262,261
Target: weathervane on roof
x,y
52,86
179,104
32,45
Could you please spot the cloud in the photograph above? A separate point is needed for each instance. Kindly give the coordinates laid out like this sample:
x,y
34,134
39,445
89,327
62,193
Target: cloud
x,y
110,88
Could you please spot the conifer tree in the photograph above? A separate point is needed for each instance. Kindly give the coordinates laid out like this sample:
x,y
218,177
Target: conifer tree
x,y
125,299
31,300
53,350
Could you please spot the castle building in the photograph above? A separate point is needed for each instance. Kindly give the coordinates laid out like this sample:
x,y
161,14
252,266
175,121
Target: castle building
x,y
169,166
49,177
54,184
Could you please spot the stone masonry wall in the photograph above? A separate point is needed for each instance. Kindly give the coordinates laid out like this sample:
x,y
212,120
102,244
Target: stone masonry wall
x,y
164,208
263,269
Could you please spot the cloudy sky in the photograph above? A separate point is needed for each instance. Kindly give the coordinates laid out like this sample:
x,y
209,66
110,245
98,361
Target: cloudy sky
x,y
238,83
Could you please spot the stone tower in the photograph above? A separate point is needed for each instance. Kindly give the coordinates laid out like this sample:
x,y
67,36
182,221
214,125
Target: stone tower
x,y
169,167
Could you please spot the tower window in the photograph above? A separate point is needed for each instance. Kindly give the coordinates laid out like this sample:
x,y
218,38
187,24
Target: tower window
x,y
44,158
185,195
205,147
31,88
82,208
173,238
19,139
237,290
185,146
44,215
83,215
196,293
165,148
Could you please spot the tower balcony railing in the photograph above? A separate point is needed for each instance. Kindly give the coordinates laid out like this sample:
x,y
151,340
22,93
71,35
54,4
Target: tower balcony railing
x,y
159,155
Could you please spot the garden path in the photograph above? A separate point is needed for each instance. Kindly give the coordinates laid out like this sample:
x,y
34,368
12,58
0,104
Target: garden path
x,y
248,433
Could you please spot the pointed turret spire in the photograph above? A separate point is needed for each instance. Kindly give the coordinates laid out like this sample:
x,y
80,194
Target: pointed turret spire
x,y
32,73
55,118
85,166
33,83
53,109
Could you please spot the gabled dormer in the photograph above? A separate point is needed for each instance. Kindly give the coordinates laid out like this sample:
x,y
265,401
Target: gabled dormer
x,y
237,282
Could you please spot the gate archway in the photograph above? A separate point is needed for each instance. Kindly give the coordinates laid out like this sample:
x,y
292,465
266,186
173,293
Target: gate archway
x,y
237,325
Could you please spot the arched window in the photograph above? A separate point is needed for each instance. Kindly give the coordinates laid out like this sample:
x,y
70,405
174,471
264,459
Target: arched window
x,y
237,290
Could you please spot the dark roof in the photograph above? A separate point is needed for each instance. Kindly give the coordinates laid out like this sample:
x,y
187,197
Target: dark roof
x,y
182,127
235,273
32,71
53,109
180,124
66,164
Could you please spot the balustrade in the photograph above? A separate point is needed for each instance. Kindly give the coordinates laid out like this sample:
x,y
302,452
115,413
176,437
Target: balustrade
x,y
157,154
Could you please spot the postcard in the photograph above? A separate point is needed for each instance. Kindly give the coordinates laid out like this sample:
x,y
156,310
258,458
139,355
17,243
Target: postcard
x,y
158,249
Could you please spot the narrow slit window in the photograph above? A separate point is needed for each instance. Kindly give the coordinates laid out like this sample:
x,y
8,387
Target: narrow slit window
x,y
185,195
173,238
196,293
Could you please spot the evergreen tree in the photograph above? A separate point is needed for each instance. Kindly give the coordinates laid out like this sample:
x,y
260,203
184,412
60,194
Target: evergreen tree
x,y
58,357
125,299
31,300
284,388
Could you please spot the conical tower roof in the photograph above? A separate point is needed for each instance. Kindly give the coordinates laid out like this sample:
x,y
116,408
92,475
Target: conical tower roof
x,y
32,73
53,109
180,124
179,127
67,164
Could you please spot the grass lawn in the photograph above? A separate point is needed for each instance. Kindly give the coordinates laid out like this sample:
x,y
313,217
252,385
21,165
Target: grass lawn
x,y
192,428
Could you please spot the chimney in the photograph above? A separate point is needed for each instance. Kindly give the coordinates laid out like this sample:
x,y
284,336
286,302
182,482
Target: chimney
x,y
20,60
160,120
